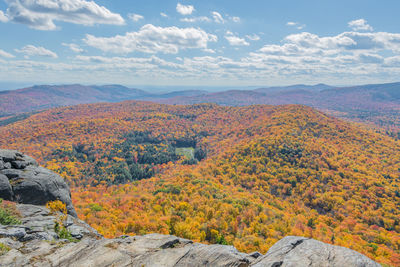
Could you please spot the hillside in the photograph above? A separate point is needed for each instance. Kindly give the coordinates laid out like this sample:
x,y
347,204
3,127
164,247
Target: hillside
x,y
378,104
38,227
257,174
375,104
41,97
47,96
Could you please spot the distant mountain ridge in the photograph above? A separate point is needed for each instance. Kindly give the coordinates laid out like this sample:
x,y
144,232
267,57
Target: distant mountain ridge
x,y
48,96
313,88
372,103
40,97
319,95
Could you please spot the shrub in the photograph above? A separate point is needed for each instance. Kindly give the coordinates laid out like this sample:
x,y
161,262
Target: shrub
x,y
8,213
59,210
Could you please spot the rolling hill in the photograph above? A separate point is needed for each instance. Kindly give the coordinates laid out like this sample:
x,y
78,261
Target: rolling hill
x,y
257,173
47,96
42,97
376,104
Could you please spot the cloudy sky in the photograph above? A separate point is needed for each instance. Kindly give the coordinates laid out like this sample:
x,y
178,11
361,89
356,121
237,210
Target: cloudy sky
x,y
207,43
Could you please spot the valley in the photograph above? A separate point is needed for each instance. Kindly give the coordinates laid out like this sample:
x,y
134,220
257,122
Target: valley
x,y
259,173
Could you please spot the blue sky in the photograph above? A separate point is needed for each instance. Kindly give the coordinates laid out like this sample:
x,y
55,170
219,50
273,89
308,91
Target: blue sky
x,y
199,43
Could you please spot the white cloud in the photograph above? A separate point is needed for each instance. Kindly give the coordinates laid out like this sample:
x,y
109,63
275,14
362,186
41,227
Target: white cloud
x,y
42,14
208,50
354,67
128,62
163,15
348,57
370,58
196,19
235,40
392,61
3,17
235,19
184,10
74,47
153,39
346,41
31,50
296,24
135,17
217,17
307,40
253,37
344,55
5,54
360,25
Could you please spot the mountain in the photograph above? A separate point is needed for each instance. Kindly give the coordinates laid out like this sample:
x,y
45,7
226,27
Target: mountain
x,y
185,93
312,88
226,98
377,104
41,97
47,235
246,176
47,96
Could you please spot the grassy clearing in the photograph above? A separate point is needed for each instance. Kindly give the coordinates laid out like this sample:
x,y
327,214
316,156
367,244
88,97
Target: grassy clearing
x,y
187,152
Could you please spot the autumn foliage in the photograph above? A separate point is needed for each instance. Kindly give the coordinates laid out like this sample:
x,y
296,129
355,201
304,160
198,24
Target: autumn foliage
x,y
269,171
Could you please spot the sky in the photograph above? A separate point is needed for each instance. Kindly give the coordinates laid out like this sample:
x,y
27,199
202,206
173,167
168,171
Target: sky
x,y
199,43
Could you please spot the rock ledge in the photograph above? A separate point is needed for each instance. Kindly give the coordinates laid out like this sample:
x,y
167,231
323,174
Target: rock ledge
x,y
22,180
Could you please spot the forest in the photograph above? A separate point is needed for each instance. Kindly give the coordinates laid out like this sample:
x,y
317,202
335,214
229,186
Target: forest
x,y
244,176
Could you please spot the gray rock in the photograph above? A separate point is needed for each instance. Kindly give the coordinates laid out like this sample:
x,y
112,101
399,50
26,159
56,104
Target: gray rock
x,y
77,231
12,231
7,165
50,236
28,210
1,164
30,183
255,254
39,223
14,258
12,173
156,250
301,251
19,164
149,250
212,255
38,186
5,188
11,243
8,155
29,160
